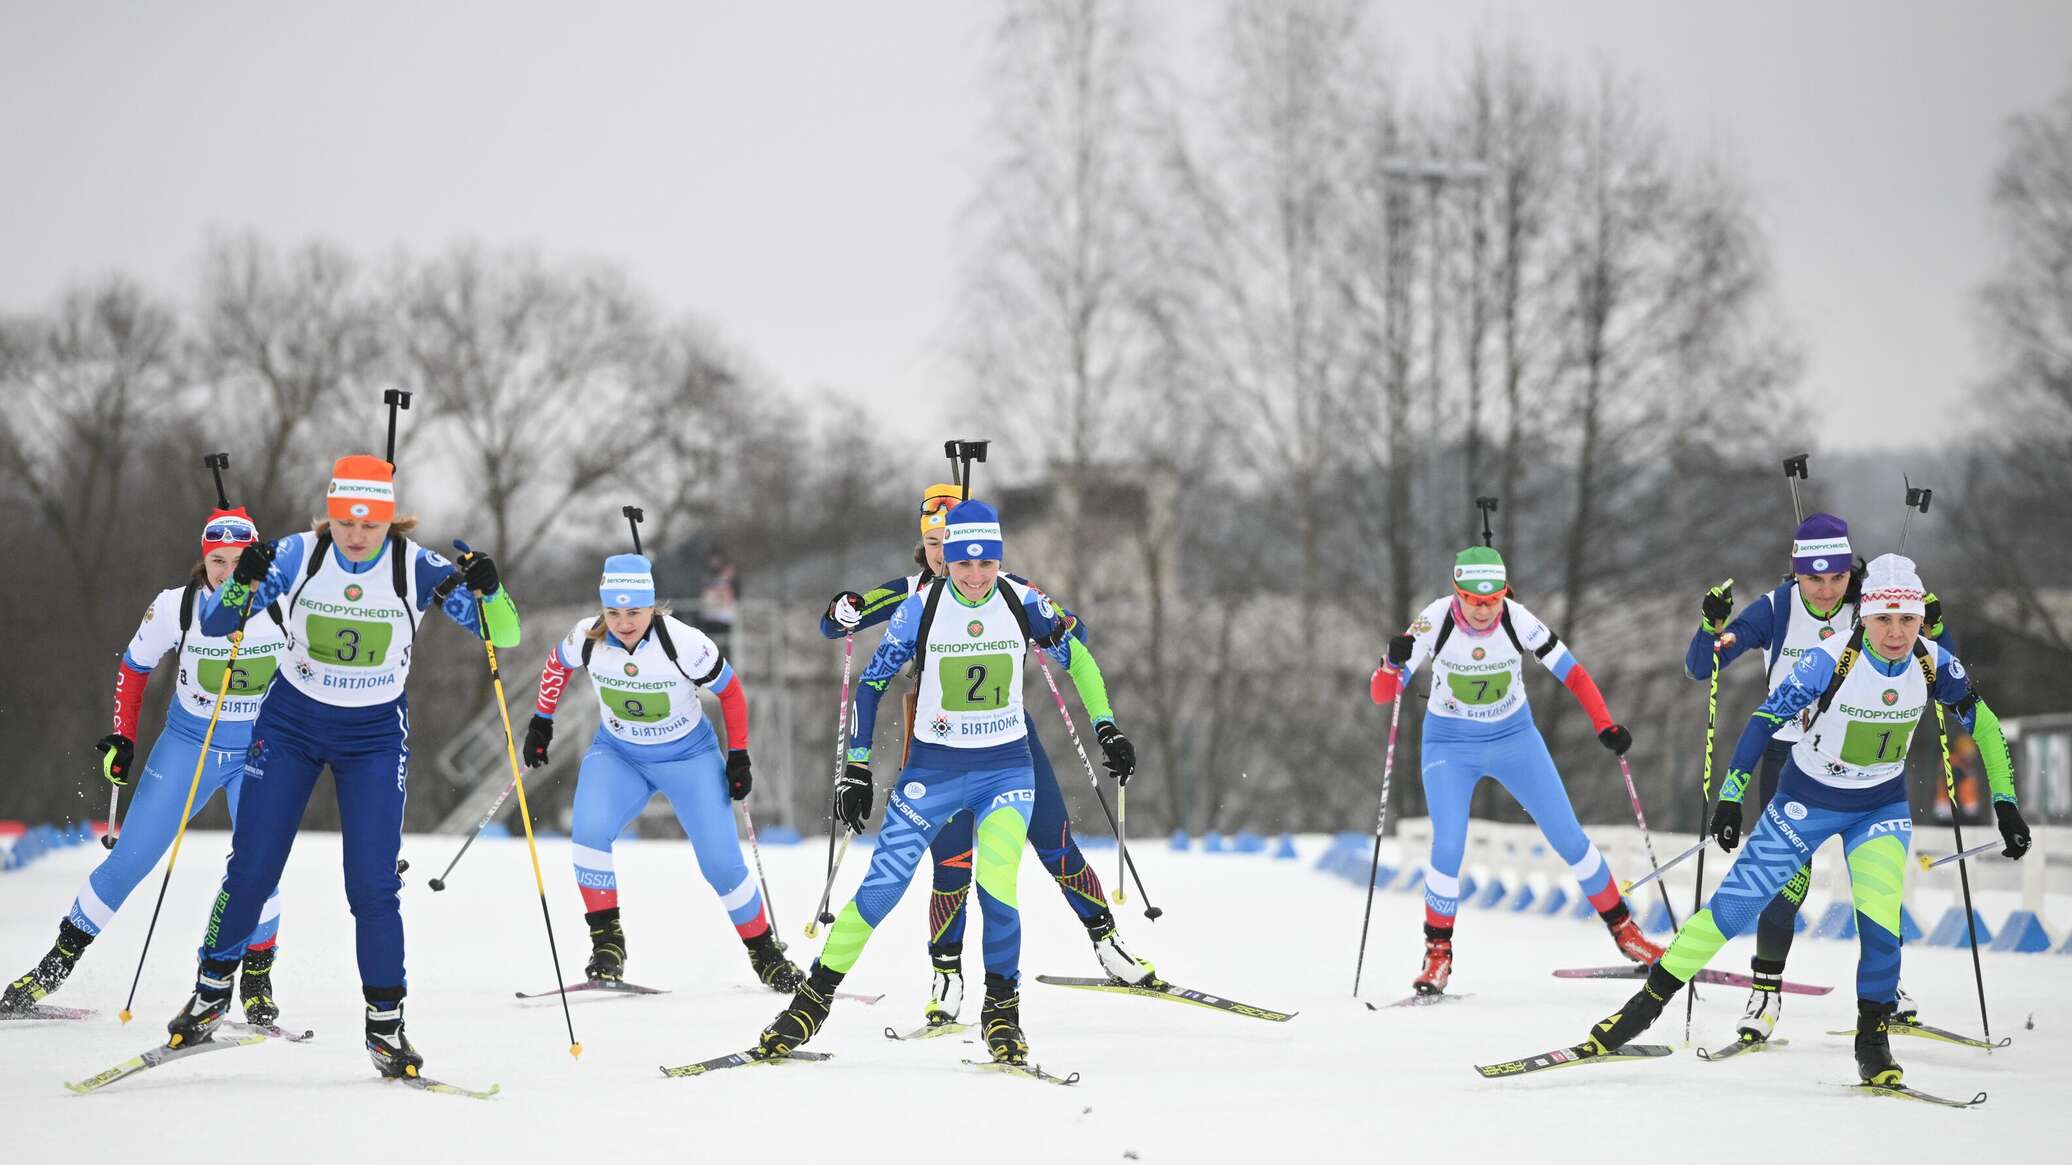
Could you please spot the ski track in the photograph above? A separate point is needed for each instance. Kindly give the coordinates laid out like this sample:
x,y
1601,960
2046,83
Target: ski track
x,y
1162,1081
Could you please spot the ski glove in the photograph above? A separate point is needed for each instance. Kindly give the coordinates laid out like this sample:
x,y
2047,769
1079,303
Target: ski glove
x,y
479,570
1726,824
2013,830
1059,632
538,735
1399,651
253,563
845,610
117,751
1616,738
1120,754
1717,605
1931,618
853,797
739,779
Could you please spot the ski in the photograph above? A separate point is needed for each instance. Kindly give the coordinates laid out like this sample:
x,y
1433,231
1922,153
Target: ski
x,y
1719,978
270,1030
604,986
1569,1056
1928,1032
427,1084
1422,999
1738,1047
851,996
153,1057
1904,1093
743,1060
1029,1071
36,1011
929,1032
1160,989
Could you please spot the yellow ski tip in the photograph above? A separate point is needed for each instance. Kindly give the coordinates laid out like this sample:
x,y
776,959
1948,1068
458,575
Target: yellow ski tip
x,y
812,928
575,1050
1120,898
125,1013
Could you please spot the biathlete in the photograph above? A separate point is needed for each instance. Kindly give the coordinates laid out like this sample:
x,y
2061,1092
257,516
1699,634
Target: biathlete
x,y
1050,826
652,737
1861,695
1477,725
353,591
971,753
1813,604
169,768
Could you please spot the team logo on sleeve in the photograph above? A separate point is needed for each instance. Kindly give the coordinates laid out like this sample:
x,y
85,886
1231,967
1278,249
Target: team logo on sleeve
x,y
353,592
150,611
1419,627
435,558
975,629
1043,605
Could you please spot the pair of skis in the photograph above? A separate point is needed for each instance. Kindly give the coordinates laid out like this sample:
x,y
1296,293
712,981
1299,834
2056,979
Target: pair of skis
x,y
618,987
235,1035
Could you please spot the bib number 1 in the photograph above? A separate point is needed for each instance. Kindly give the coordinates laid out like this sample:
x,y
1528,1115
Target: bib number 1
x,y
1865,743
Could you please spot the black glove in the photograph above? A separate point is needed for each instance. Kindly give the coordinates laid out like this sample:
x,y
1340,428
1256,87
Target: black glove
x,y
1931,617
1616,738
1717,605
2013,830
739,779
1121,755
1060,631
1399,651
538,735
853,797
1726,824
253,562
845,610
117,751
479,570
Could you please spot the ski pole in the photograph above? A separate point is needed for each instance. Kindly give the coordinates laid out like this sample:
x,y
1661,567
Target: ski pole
x,y
755,851
1978,975
834,860
1973,852
539,881
827,892
1794,473
1664,868
1381,822
114,802
1633,794
495,807
187,810
1705,787
1127,863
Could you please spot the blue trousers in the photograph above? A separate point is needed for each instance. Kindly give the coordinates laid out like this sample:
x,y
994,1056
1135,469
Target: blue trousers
x,y
1455,761
1778,923
615,784
1050,832
368,750
920,801
153,816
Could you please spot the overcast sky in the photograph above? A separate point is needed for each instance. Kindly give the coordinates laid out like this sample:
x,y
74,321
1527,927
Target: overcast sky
x,y
795,172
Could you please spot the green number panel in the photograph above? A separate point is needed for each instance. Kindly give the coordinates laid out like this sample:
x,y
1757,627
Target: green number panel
x,y
248,678
975,683
641,707
348,642
1866,743
1482,689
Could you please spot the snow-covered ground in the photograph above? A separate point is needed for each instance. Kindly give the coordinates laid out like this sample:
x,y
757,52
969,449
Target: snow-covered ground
x,y
1162,1082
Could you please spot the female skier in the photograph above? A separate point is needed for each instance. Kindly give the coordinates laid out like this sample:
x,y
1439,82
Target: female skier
x,y
1861,696
1815,603
970,754
154,813
353,591
652,737
1477,725
1050,827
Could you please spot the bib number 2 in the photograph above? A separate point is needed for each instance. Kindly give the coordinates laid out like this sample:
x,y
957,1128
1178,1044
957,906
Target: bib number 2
x,y
975,683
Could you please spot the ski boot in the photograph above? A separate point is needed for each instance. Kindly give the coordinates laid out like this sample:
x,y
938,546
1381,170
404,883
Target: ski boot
x,y
387,1044
49,974
1906,1011
946,994
1765,1002
1640,1013
1438,962
255,988
196,1023
1626,932
607,947
802,1019
1119,965
1001,1019
1874,1062
771,967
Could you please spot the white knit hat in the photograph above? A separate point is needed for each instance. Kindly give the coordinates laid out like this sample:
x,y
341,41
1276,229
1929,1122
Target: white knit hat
x,y
1891,586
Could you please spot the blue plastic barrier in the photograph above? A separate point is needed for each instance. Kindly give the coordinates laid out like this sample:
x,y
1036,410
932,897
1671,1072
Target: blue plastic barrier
x,y
1247,842
1212,843
1179,842
779,835
2023,933
1950,932
1838,921
1493,895
1657,920
1557,898
1285,850
1523,899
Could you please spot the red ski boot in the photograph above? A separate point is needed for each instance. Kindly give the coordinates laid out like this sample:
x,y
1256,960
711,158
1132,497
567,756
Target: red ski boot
x,y
1438,965
1632,944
